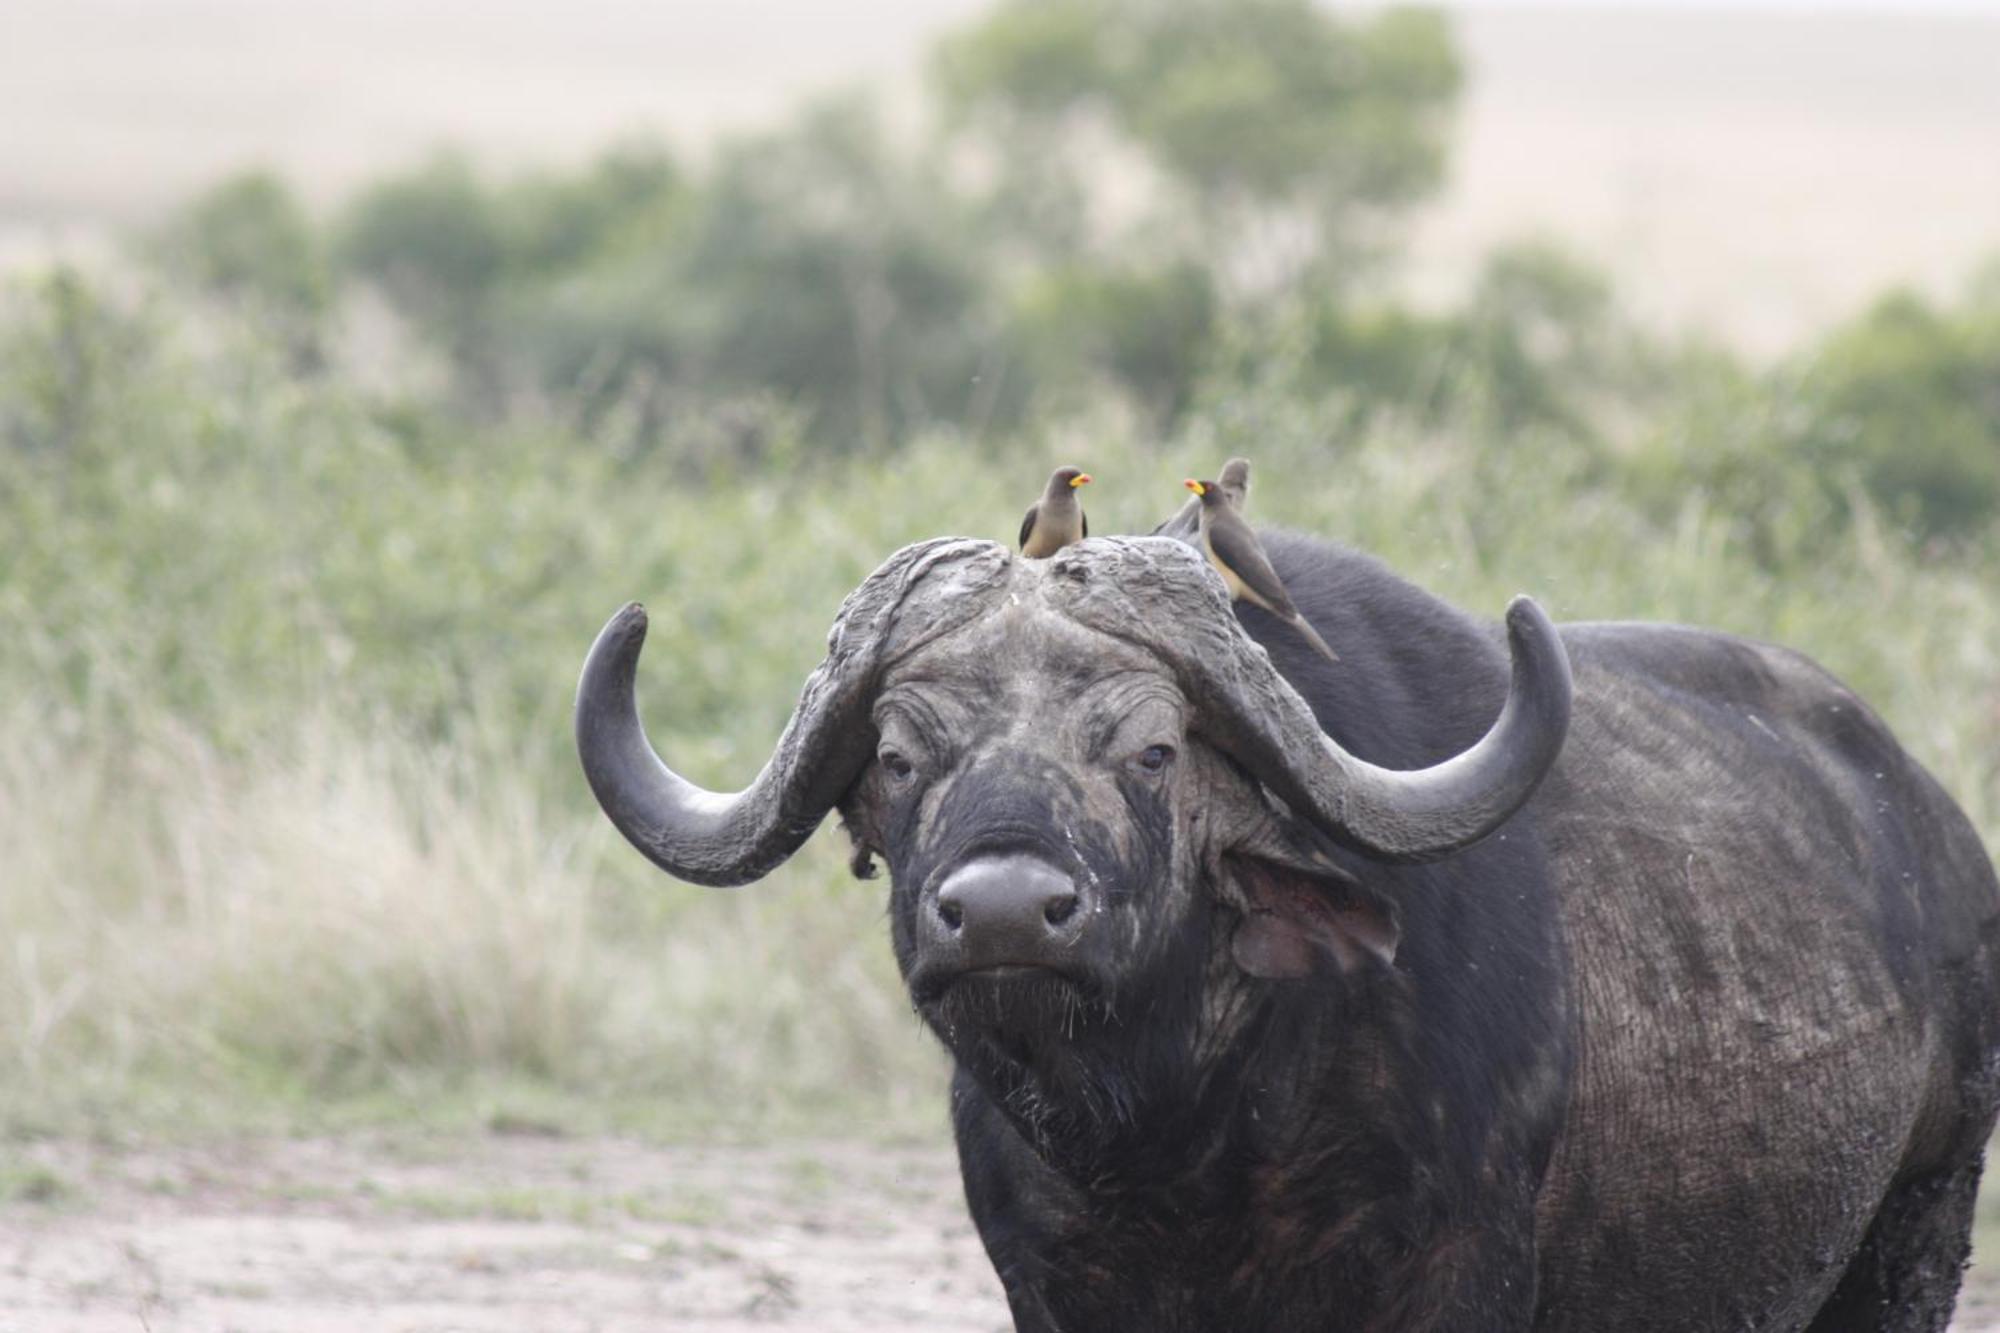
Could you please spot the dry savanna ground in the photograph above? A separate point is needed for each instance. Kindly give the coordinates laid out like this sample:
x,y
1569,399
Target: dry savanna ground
x,y
523,1231
512,1233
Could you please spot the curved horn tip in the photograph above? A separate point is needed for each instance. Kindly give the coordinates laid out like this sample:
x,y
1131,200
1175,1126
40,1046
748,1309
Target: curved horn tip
x,y
1529,627
614,654
623,635
1539,656
627,629
1520,607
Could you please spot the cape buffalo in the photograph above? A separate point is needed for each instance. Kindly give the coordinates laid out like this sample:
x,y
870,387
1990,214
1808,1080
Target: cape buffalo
x,y
1292,995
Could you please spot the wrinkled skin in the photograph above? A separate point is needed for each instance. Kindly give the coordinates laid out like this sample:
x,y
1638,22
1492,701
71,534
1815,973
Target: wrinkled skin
x,y
1702,1038
1784,937
1157,1056
1652,1058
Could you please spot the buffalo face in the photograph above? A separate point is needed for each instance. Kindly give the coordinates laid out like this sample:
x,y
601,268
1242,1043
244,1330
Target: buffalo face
x,y
1029,795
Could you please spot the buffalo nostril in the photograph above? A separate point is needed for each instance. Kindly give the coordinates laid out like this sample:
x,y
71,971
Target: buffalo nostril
x,y
998,910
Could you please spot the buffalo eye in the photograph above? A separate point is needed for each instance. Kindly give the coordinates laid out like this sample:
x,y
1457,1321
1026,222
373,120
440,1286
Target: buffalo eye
x,y
1154,758
899,769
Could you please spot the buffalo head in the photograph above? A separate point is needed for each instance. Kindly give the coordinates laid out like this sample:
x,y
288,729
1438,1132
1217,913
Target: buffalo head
x,y
1097,799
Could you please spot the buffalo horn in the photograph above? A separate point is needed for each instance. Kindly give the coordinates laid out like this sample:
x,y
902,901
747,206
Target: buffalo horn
x,y
733,838
1422,814
1152,591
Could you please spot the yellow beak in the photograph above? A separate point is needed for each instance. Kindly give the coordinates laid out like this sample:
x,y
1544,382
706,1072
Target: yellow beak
x,y
1195,486
1080,479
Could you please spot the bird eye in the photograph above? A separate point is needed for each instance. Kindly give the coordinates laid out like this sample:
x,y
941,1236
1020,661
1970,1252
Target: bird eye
x,y
1154,758
898,768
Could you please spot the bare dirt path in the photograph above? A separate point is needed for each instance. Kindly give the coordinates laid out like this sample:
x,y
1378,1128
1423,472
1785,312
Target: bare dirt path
x,y
506,1234
521,1235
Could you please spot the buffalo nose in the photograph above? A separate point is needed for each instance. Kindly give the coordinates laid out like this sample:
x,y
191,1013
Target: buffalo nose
x,y
1007,909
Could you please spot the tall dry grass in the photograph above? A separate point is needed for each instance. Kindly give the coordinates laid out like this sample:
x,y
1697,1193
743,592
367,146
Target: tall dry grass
x,y
191,933
289,819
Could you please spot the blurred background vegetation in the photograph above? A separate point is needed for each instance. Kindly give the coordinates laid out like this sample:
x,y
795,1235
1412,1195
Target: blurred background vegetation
x,y
309,518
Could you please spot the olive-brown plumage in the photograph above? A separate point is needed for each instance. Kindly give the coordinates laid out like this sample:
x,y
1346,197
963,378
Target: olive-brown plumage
x,y
1232,547
1057,519
1235,482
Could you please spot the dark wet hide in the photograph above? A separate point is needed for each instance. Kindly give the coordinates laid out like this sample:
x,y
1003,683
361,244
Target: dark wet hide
x,y
1023,1014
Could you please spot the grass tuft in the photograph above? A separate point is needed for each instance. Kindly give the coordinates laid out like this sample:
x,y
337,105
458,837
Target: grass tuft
x,y
294,835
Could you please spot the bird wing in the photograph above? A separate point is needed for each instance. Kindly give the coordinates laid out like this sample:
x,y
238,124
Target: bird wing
x,y
1028,523
1083,519
1237,546
1185,524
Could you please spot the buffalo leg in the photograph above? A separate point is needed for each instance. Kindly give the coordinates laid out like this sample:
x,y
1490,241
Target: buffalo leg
x,y
1904,1278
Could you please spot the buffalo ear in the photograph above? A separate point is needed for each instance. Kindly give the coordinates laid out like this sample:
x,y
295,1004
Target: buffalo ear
x,y
1299,919
864,841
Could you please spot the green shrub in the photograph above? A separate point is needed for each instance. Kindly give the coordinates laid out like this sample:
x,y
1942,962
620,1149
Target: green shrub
x,y
1147,331
249,243
1535,347
1906,400
1258,113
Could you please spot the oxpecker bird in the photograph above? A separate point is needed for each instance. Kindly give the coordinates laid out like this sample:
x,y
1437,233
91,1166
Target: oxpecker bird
x,y
1055,520
1235,482
1239,557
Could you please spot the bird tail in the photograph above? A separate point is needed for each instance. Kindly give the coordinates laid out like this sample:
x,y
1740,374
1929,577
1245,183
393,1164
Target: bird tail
x,y
1304,626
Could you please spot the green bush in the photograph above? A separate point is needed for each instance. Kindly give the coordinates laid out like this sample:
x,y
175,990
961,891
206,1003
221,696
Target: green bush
x,y
249,243
1260,114
1906,401
823,267
816,271
829,277
435,245
1147,331
1892,419
1535,347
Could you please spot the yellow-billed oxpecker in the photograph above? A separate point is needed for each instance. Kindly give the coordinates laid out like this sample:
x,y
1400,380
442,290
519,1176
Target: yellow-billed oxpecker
x,y
1235,482
1055,520
1239,557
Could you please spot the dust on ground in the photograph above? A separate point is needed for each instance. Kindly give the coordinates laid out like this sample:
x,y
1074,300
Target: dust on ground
x,y
499,1235
506,1234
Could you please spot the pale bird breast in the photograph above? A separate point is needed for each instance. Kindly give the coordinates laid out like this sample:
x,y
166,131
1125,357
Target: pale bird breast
x,y
1053,531
1238,591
